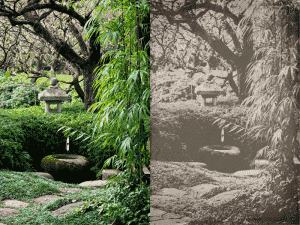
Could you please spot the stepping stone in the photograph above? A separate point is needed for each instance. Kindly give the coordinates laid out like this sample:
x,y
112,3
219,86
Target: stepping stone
x,y
156,212
262,163
203,189
183,221
94,183
70,190
223,197
172,216
252,173
47,175
6,212
15,203
46,198
65,210
173,192
106,174
161,198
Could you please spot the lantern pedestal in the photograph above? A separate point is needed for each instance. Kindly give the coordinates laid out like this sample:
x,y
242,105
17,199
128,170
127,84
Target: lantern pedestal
x,y
53,95
58,108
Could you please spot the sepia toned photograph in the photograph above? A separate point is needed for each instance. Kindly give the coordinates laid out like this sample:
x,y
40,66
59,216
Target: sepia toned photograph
x,y
225,88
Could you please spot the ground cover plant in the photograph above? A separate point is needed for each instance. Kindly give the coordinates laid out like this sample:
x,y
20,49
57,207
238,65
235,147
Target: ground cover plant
x,y
118,205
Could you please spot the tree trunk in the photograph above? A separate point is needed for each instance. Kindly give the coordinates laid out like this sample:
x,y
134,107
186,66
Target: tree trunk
x,y
89,92
244,60
242,94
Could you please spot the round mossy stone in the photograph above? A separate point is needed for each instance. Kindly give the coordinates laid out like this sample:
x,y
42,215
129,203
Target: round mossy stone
x,y
65,166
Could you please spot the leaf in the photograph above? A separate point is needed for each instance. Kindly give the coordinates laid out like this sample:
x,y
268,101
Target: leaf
x,y
7,74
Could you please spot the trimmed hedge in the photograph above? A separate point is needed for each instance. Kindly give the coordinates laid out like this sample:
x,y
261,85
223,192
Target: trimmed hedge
x,y
179,130
29,134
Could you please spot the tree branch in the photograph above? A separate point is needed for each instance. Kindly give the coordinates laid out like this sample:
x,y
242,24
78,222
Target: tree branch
x,y
52,5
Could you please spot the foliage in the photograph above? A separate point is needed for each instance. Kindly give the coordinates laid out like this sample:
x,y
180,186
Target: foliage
x,y
13,97
125,202
27,186
274,87
33,127
123,93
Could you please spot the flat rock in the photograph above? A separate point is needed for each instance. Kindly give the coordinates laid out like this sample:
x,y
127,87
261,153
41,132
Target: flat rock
x,y
159,199
70,190
223,197
106,174
172,216
173,192
15,203
261,163
183,221
6,212
46,198
156,212
203,189
65,210
252,173
46,175
94,183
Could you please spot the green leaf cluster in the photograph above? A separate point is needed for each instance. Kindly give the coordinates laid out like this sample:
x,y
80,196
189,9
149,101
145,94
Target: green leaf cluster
x,y
12,97
124,82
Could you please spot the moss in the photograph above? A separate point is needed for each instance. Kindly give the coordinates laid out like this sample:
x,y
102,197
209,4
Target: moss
x,y
51,164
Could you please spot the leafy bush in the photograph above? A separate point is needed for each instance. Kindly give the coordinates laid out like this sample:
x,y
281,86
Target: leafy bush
x,y
13,97
11,139
124,202
181,129
37,132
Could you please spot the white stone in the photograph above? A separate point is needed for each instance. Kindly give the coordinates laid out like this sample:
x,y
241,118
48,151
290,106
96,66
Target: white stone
x,y
15,203
223,198
203,189
173,192
247,173
94,183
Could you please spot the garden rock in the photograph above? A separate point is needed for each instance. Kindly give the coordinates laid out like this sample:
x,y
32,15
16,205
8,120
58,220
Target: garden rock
x,y
15,203
252,173
173,192
262,164
46,175
65,210
159,217
6,212
46,198
202,189
107,173
94,183
223,198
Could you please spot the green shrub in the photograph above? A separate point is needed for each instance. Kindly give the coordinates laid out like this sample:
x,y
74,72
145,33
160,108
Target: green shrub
x,y
37,132
12,97
12,136
131,202
175,127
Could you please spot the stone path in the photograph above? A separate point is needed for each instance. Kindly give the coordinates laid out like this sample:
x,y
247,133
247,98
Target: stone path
x,y
169,195
11,205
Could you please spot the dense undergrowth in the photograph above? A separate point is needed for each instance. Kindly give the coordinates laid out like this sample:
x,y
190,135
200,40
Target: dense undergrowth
x,y
29,134
183,127
121,203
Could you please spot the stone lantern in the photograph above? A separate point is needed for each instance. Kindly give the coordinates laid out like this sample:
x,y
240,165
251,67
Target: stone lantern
x,y
209,89
53,95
